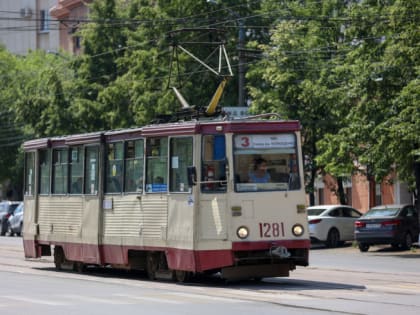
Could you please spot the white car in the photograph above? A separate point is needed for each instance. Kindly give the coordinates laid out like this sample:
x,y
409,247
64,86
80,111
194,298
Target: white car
x,y
332,224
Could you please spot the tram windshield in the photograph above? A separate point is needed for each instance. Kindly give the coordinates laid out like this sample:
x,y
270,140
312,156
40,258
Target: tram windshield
x,y
266,162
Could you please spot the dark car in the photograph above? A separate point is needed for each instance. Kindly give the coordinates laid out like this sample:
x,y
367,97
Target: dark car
x,y
6,210
15,221
397,225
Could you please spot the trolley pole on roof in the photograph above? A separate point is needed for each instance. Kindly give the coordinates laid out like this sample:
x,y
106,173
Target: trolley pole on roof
x,y
240,47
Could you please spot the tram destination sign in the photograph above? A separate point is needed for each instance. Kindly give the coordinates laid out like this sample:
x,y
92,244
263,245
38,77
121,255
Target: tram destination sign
x,y
265,141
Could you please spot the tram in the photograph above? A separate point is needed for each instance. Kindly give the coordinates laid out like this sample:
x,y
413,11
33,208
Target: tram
x,y
174,199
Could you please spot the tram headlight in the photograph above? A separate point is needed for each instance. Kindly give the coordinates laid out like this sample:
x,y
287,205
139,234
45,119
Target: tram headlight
x,y
242,232
298,230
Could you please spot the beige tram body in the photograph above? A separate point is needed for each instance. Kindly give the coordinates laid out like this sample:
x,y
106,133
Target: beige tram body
x,y
202,216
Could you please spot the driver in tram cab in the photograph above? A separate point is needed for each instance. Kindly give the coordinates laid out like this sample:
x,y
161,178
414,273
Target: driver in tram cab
x,y
259,174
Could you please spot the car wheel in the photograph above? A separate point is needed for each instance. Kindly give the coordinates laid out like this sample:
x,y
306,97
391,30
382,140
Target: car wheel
x,y
363,247
9,229
408,241
19,233
333,238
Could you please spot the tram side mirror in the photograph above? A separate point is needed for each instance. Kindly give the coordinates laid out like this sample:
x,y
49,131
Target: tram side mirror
x,y
192,175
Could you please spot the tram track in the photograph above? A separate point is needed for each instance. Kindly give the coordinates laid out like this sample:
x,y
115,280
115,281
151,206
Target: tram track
x,y
311,289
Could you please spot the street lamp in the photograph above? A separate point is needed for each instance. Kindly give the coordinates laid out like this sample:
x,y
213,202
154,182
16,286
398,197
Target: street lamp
x,y
241,61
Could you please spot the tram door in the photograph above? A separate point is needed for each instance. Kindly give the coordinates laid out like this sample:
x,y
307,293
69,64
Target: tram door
x,y
213,200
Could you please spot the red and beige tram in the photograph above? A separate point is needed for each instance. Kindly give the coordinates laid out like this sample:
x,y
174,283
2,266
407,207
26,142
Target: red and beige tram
x,y
174,199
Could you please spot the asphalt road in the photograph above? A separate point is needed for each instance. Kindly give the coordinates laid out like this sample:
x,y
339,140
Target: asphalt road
x,y
339,281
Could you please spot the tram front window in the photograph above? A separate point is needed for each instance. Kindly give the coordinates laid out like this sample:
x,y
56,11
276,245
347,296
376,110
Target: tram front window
x,y
266,162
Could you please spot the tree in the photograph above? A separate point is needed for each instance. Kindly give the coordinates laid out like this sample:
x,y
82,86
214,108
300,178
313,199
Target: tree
x,y
296,74
11,135
378,134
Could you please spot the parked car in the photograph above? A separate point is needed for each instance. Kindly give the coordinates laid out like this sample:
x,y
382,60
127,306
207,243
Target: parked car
x,y
6,210
397,225
15,221
332,224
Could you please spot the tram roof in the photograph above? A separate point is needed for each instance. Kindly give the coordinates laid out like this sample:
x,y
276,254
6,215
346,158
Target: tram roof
x,y
167,129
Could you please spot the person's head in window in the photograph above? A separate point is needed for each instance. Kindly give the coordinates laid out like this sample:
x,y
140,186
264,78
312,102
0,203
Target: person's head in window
x,y
259,174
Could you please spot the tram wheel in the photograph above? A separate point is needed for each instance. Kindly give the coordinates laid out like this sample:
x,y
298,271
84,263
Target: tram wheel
x,y
151,265
79,267
182,276
59,258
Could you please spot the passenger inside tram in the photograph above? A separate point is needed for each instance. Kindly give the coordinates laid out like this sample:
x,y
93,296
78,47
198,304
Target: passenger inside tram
x,y
259,173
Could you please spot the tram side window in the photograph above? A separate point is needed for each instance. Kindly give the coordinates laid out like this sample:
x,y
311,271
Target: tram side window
x,y
114,167
181,150
213,172
60,171
44,171
29,173
91,169
76,170
157,165
134,151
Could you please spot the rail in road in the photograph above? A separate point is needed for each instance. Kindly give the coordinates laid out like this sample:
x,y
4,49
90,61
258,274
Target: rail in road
x,y
323,288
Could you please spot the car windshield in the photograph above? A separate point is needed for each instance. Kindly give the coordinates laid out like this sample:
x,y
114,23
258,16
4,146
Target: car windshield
x,y
316,211
12,207
382,212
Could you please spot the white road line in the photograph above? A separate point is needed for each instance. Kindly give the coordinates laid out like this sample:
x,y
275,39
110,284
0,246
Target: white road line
x,y
92,299
206,297
148,298
33,300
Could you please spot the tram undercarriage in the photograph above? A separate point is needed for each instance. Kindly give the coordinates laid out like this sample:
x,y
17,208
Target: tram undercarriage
x,y
248,265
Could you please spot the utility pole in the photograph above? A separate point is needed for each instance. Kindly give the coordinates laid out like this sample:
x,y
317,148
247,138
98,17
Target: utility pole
x,y
241,64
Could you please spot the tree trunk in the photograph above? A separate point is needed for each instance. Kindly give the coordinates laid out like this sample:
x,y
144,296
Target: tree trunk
x,y
340,191
417,190
311,187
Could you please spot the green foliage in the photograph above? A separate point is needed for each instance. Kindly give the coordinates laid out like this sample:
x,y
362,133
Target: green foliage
x,y
382,67
347,70
297,77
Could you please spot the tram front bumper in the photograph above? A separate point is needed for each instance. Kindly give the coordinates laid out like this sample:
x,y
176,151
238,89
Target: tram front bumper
x,y
255,271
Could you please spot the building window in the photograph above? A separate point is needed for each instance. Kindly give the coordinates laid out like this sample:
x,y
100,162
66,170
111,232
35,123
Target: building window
x,y
44,21
378,195
349,196
77,42
321,196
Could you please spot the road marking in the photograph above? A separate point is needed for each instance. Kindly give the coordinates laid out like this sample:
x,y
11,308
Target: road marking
x,y
92,299
33,300
148,298
207,298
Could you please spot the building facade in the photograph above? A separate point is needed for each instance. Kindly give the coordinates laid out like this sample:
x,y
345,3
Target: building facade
x,y
26,25
71,14
362,193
